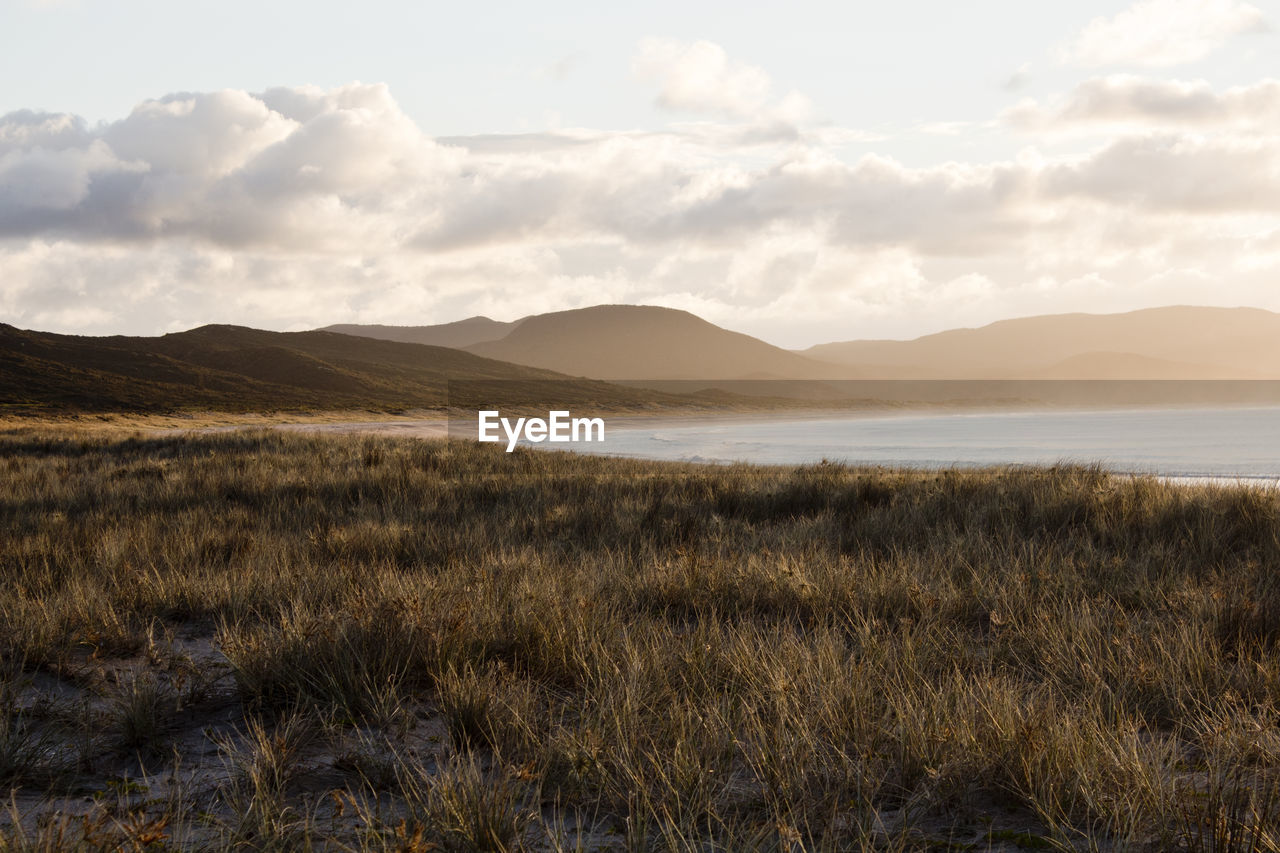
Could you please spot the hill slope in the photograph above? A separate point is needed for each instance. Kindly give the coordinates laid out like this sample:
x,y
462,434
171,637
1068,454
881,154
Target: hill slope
x,y
1179,342
646,342
462,333
234,368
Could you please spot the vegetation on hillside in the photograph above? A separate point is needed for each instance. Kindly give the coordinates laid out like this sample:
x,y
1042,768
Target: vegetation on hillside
x,y
256,640
231,368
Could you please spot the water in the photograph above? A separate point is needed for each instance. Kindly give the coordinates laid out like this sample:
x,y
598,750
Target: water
x,y
1200,443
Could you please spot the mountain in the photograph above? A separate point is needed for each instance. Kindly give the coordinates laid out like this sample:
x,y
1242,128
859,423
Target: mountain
x,y
235,368
645,342
1179,342
242,369
1126,365
462,333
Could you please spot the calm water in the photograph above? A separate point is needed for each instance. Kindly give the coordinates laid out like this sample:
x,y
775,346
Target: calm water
x,y
1211,443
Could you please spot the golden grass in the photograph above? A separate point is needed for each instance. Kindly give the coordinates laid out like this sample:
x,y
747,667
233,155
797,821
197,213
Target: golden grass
x,y
126,423
283,641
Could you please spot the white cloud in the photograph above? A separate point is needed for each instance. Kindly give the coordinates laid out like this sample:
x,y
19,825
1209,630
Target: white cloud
x,y
1168,174
1161,33
700,77
1019,79
1121,102
300,207
52,131
303,169
42,182
203,136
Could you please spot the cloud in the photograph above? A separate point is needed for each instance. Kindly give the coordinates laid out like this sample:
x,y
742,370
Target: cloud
x,y
345,171
51,131
1019,79
298,207
1125,101
699,77
204,136
300,168
1162,33
1169,173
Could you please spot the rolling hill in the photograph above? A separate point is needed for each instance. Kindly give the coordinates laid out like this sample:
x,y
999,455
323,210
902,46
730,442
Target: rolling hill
x,y
1178,342
241,369
637,342
461,333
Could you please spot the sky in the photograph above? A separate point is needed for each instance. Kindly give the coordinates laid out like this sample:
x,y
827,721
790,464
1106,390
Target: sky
x,y
805,174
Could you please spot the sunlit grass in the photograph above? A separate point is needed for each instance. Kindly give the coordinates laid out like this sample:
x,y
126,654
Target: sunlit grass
x,y
400,642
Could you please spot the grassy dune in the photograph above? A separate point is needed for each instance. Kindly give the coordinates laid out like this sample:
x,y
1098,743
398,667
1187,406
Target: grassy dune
x,y
255,640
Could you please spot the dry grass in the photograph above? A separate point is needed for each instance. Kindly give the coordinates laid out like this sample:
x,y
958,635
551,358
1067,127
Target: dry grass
x,y
129,422
260,640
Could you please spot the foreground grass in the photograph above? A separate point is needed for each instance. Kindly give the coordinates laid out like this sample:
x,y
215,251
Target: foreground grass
x,y
266,641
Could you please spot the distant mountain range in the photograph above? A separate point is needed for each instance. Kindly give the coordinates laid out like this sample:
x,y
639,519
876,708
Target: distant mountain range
x,y
616,342
644,342
390,367
459,334
1179,342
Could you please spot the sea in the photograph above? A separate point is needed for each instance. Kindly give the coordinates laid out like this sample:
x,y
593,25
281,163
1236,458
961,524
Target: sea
x,y
1216,444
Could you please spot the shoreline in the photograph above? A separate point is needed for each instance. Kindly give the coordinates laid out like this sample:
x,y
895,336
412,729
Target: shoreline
x,y
435,422
435,425
627,417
